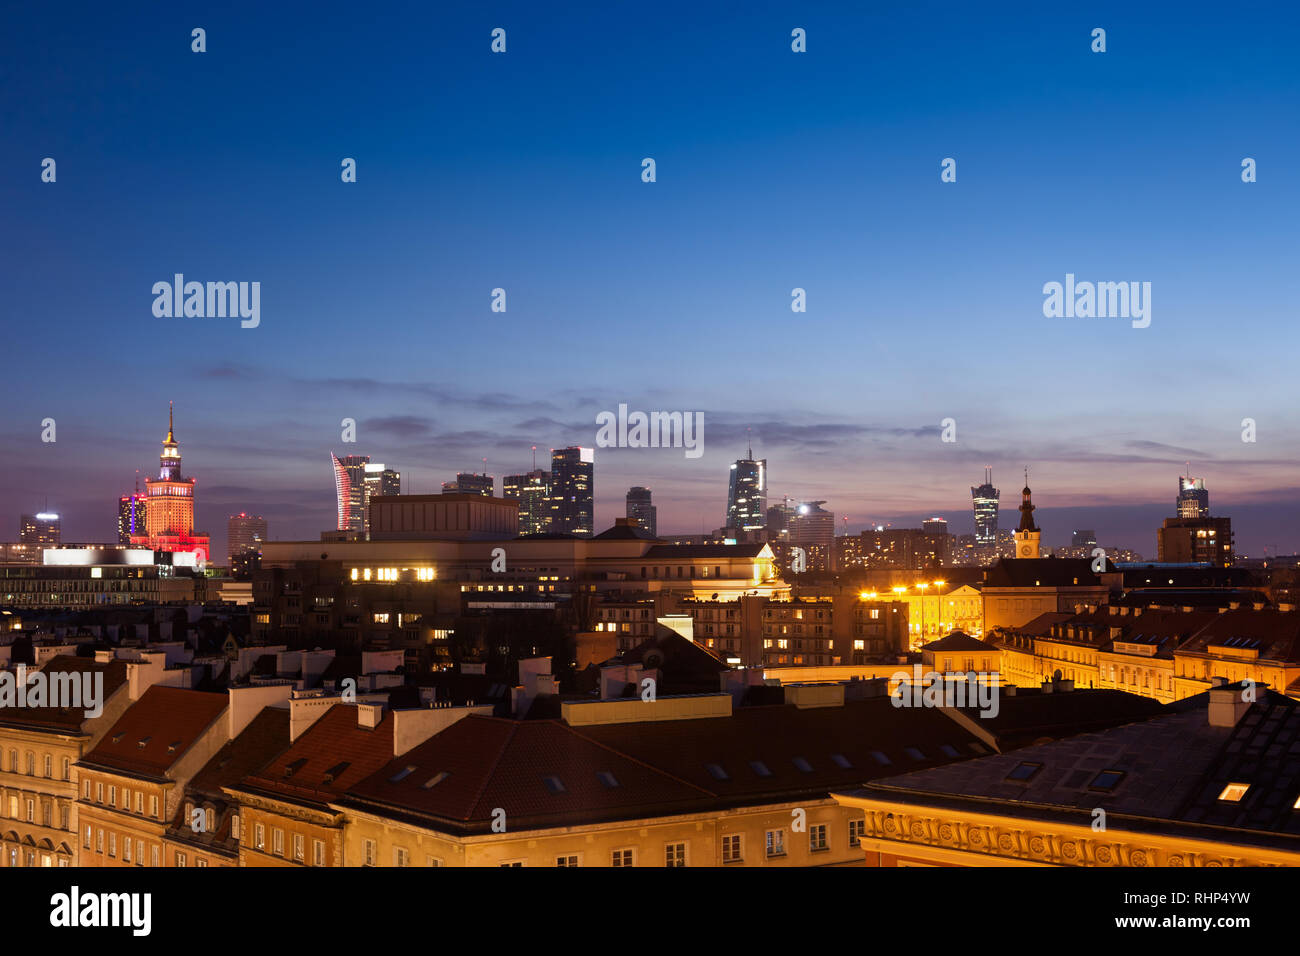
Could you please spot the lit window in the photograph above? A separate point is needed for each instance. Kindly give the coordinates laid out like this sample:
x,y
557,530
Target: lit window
x,y
1234,792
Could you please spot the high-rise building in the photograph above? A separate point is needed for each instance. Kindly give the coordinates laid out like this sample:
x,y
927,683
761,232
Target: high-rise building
x,y
131,512
935,525
470,484
1028,533
747,494
381,481
244,532
1199,540
532,490
169,514
778,521
640,508
1193,499
986,499
573,481
42,528
350,487
813,529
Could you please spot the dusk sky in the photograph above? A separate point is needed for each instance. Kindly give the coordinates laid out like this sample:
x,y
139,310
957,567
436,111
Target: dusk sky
x,y
775,170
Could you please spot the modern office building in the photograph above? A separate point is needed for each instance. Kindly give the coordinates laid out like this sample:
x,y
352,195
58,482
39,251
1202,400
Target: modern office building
x,y
244,532
572,500
747,494
640,508
381,481
131,516
532,490
468,483
935,525
350,487
986,499
169,514
1193,498
42,529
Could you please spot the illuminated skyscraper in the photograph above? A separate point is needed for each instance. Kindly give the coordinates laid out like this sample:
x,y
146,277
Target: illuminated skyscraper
x,y
747,494
532,491
244,532
169,514
986,512
350,487
573,481
640,508
40,529
1193,498
131,510
381,481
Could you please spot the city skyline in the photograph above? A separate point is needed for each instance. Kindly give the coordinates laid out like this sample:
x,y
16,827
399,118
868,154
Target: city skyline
x,y
823,174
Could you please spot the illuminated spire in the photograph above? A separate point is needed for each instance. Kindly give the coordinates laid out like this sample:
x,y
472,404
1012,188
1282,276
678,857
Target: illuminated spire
x,y
171,407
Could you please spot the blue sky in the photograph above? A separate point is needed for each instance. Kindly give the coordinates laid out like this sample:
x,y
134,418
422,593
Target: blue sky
x,y
775,170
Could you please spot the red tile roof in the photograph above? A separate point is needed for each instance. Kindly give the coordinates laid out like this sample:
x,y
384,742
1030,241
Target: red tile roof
x,y
333,754
156,731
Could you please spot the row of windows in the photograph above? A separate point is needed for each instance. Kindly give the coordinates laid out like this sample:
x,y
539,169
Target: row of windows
x,y
297,842
47,765
675,853
24,808
126,798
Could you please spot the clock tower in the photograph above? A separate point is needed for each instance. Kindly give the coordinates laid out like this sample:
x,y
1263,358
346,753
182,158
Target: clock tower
x,y
1028,533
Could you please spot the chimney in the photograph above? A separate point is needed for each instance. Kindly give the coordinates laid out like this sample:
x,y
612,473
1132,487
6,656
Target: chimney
x,y
1227,704
369,715
104,657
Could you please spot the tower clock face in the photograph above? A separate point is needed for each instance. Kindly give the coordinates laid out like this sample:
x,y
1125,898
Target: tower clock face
x,y
1025,550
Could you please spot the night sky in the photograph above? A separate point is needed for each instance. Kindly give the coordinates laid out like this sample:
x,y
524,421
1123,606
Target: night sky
x,y
775,170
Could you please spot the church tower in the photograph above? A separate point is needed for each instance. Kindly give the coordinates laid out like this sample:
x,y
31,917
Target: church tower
x,y
1028,533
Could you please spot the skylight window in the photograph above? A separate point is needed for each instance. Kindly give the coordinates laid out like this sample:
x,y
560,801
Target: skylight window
x,y
717,771
402,774
760,768
948,750
1024,773
841,761
801,764
554,784
1107,780
914,753
880,758
436,779
1234,792
607,778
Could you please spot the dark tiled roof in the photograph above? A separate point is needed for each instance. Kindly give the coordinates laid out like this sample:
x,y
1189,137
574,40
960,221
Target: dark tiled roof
x,y
65,720
958,641
1173,766
1029,716
1042,572
1274,634
758,755
156,731
330,756
622,532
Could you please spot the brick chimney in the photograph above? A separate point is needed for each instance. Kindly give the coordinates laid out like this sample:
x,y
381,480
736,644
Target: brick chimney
x,y
1228,704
